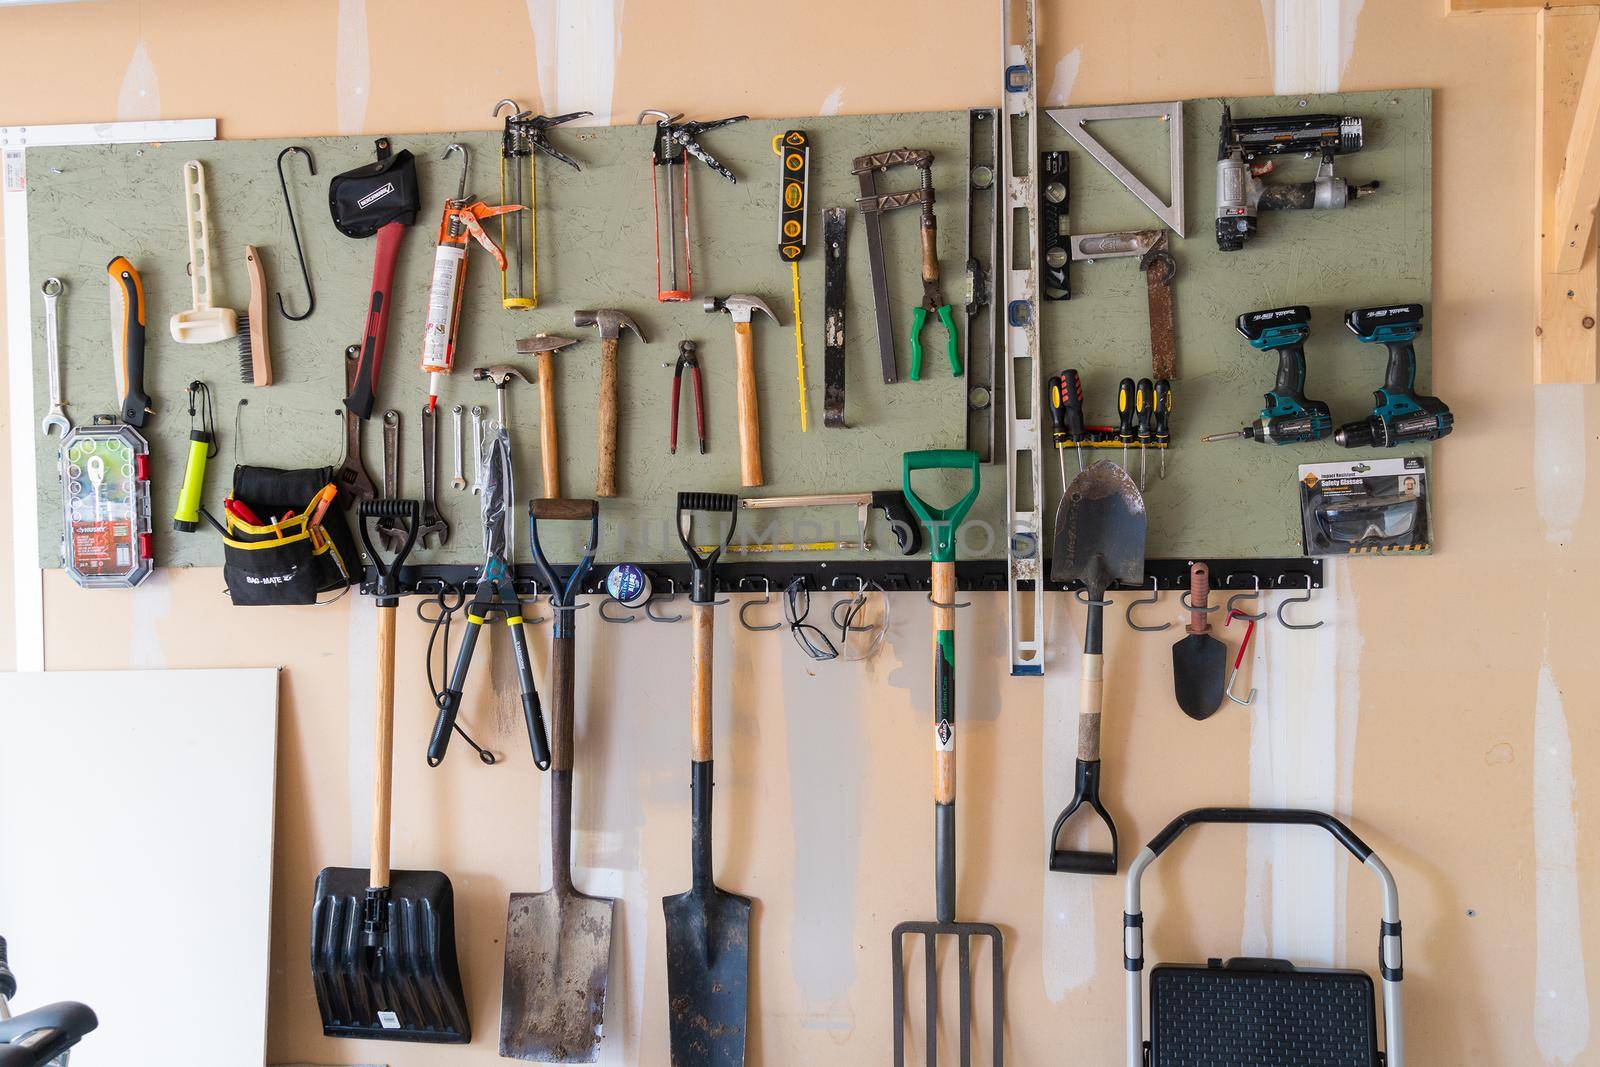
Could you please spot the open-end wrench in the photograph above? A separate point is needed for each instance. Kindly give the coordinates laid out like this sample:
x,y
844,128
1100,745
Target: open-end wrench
x,y
57,418
430,523
389,530
352,473
477,448
459,481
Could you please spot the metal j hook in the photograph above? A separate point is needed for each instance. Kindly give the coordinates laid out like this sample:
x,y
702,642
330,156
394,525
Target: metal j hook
x,y
766,598
466,165
1155,595
305,272
1253,594
1297,600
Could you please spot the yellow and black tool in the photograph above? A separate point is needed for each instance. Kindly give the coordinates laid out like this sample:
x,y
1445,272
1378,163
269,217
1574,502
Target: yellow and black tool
x,y
524,134
202,447
794,179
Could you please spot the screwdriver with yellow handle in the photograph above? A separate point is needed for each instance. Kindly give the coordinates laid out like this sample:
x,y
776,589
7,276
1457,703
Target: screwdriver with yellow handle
x,y
1066,416
1144,402
1163,429
1125,414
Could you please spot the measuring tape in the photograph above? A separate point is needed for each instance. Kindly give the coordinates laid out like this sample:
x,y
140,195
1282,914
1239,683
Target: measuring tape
x,y
793,149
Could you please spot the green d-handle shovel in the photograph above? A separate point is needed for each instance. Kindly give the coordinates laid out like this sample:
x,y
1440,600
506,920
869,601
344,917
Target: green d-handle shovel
x,y
943,525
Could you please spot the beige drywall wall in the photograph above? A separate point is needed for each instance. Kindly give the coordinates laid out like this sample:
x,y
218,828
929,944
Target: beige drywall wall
x,y
1442,706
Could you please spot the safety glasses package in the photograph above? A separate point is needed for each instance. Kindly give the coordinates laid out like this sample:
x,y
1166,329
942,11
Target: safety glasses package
x,y
1365,507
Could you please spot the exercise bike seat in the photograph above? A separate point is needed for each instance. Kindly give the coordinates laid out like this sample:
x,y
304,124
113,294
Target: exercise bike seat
x,y
48,1032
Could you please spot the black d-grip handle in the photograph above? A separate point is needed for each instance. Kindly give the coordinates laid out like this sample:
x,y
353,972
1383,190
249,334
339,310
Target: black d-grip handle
x,y
902,522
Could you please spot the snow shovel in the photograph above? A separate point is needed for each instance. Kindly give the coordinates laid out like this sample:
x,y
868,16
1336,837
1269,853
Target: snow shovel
x,y
383,943
558,943
943,524
1099,539
708,929
1199,661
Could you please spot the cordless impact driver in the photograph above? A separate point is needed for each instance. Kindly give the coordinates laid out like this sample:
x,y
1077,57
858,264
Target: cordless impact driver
x,y
1399,415
1242,161
1288,417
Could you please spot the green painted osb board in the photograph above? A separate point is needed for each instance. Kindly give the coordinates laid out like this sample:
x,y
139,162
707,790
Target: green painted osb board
x,y
1228,499
596,249
1238,498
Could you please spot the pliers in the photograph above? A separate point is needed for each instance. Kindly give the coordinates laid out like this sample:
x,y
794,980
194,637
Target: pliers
x,y
687,358
932,298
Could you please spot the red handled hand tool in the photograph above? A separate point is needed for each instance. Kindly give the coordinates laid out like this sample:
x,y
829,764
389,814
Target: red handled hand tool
x,y
687,358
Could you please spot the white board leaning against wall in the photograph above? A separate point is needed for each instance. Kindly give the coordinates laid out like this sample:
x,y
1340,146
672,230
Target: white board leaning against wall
x,y
136,821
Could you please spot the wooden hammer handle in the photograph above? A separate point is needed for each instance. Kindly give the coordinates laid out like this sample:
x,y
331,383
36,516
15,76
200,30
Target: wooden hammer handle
x,y
744,352
549,460
605,450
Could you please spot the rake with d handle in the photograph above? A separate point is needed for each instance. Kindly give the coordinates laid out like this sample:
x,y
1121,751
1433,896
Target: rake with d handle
x,y
383,943
942,524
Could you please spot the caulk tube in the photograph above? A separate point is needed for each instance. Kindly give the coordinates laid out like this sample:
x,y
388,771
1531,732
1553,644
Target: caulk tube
x,y
187,516
444,302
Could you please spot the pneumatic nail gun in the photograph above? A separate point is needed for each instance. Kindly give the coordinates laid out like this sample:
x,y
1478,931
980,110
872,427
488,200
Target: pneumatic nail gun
x,y
1241,164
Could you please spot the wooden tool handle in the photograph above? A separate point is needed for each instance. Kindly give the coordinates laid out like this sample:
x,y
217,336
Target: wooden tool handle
x,y
383,750
744,352
930,249
548,458
1199,598
700,618
561,725
605,449
1091,691
944,683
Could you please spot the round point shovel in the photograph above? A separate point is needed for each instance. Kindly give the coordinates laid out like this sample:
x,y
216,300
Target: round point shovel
x,y
1099,539
558,943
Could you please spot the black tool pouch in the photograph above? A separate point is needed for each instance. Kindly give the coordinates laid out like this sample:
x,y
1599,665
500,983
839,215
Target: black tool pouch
x,y
295,559
369,197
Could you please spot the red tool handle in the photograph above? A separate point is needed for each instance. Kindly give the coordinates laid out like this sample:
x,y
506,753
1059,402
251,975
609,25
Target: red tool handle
x,y
1248,630
364,393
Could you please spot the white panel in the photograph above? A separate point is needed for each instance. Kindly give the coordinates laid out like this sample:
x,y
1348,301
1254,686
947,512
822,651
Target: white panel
x,y
136,819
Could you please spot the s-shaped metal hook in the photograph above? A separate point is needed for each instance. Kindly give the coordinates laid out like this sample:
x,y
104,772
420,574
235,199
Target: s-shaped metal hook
x,y
305,272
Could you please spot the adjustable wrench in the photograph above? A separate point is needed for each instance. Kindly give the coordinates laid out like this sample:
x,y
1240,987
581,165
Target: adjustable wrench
x,y
352,473
430,523
389,530
459,481
57,418
477,448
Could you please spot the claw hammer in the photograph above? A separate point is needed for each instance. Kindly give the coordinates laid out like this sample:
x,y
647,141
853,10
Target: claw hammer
x,y
740,306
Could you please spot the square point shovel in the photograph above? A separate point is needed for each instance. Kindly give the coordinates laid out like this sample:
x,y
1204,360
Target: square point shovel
x,y
943,525
558,943
1099,539
708,929
383,943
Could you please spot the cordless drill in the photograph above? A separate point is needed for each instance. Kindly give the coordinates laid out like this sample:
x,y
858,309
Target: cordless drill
x,y
1288,417
1399,415
1240,167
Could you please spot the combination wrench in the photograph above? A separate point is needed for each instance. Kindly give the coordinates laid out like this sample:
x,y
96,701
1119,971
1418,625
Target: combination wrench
x,y
459,481
352,473
389,531
477,448
57,418
430,523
